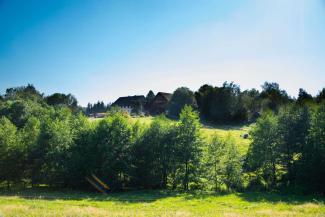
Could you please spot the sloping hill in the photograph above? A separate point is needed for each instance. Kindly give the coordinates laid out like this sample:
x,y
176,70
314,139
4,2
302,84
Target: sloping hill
x,y
236,132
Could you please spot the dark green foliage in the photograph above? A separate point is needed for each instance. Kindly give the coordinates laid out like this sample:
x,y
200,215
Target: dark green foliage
x,y
154,154
273,97
82,154
288,148
167,154
98,107
189,145
150,96
113,139
251,103
221,104
320,96
11,158
311,167
181,97
45,140
30,135
20,110
25,93
304,97
57,138
293,126
60,99
263,154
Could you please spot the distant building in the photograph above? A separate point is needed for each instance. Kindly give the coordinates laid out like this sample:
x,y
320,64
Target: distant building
x,y
97,115
100,115
131,104
159,104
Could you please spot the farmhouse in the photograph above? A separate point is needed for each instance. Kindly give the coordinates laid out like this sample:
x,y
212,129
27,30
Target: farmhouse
x,y
139,104
97,115
131,104
159,104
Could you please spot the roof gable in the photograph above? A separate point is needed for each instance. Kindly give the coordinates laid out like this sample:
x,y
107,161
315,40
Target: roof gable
x,y
129,100
167,96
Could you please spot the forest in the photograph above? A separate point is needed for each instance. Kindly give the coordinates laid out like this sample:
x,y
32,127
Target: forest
x,y
48,140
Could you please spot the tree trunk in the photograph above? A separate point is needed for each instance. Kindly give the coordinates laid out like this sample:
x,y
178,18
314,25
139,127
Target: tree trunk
x,y
185,182
273,174
164,184
289,165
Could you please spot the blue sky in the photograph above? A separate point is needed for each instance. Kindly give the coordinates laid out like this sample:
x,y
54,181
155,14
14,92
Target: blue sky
x,y
102,49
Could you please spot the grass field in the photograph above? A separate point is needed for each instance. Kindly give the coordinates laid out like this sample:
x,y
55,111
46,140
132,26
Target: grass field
x,y
156,203
223,131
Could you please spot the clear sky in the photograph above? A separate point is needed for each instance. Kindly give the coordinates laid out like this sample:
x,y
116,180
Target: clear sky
x,y
102,49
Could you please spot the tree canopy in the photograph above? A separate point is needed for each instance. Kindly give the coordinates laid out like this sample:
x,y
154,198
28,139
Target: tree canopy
x,y
48,140
181,97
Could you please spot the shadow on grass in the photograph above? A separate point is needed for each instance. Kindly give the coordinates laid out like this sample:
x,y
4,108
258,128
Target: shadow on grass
x,y
261,197
45,193
239,126
148,196
275,197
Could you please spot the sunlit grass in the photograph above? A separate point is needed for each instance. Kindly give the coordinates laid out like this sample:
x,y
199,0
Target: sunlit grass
x,y
157,203
229,132
236,132
143,120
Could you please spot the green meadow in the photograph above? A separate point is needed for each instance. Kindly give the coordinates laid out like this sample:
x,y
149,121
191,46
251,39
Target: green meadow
x,y
153,203
234,132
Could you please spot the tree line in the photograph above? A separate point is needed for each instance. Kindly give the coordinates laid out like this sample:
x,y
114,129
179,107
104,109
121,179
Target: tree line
x,y
288,148
42,142
228,104
98,107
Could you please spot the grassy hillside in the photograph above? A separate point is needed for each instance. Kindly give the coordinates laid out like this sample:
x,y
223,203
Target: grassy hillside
x,y
223,131
233,132
157,203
